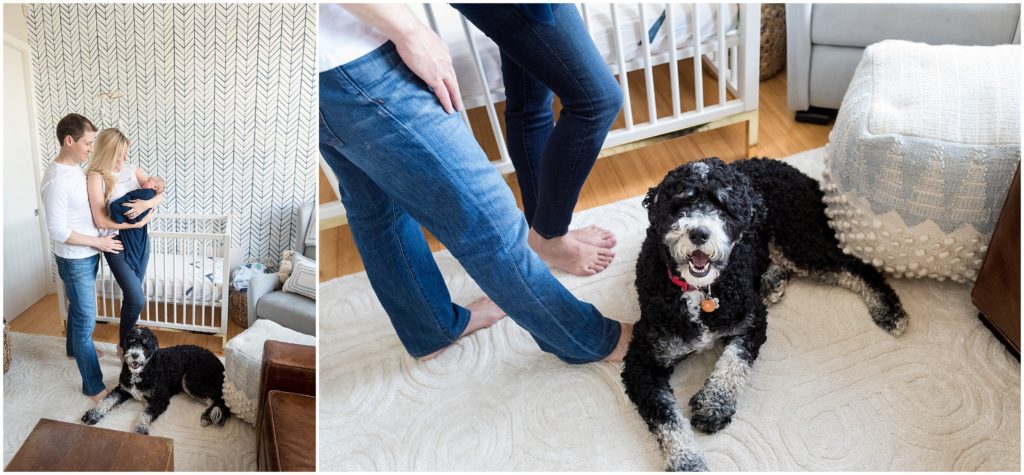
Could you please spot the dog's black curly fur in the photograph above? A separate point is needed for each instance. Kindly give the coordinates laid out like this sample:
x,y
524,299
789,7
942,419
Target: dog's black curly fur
x,y
736,232
153,375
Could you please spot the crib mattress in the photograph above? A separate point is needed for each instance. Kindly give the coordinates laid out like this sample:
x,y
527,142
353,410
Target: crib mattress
x,y
179,278
602,32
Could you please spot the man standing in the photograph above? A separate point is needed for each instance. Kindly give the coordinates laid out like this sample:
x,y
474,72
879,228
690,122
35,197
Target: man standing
x,y
76,244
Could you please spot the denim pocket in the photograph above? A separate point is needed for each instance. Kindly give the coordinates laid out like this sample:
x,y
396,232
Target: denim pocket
x,y
327,136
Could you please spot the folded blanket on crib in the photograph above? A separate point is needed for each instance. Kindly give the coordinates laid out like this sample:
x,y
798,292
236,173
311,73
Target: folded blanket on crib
x,y
135,241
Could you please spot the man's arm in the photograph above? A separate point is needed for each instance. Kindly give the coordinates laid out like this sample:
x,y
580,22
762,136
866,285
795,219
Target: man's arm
x,y
55,202
421,49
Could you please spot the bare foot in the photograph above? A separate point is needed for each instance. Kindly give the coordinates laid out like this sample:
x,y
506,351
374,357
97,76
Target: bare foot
x,y
99,396
620,348
483,312
99,354
571,255
595,236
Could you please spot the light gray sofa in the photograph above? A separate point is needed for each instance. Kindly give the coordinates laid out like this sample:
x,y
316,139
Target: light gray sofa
x,y
824,42
268,301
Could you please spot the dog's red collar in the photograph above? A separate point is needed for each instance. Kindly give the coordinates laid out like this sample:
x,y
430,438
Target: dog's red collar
x,y
678,281
708,303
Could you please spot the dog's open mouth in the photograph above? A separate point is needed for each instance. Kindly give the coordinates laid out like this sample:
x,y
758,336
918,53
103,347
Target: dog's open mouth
x,y
700,264
134,365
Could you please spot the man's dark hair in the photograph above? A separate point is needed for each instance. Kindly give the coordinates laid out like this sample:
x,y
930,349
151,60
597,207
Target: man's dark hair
x,y
74,125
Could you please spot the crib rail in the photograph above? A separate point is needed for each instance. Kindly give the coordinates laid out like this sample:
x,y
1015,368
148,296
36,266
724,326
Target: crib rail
x,y
731,54
186,280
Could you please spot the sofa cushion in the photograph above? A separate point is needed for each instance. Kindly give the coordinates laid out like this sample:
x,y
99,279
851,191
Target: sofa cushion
x,y
302,280
922,153
290,310
962,24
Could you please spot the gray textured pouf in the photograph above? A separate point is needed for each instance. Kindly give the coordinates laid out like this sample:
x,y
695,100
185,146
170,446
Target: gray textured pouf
x,y
921,156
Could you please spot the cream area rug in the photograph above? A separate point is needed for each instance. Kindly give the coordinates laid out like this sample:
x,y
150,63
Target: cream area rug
x,y
830,391
43,383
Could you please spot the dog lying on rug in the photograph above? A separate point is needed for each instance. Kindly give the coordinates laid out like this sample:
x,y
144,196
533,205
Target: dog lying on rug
x,y
154,375
723,241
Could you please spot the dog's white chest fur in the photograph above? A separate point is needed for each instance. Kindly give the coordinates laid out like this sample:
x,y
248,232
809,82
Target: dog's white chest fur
x,y
671,349
134,390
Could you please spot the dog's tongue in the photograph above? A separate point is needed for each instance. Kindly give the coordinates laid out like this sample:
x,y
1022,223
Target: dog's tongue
x,y
699,259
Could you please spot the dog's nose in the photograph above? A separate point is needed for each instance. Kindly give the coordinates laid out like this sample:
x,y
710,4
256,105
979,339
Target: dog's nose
x,y
699,235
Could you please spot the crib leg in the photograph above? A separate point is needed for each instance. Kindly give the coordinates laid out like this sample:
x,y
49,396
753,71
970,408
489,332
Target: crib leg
x,y
752,125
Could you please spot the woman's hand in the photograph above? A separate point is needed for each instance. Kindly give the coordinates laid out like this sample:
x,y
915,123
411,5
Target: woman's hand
x,y
136,208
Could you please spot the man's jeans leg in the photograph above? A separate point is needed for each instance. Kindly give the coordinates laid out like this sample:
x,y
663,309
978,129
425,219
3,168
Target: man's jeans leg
x,y
398,262
79,276
390,127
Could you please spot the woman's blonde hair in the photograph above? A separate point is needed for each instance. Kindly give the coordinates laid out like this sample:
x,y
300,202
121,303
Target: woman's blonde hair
x,y
110,145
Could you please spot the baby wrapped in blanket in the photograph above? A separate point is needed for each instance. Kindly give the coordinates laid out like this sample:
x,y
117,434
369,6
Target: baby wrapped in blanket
x,y
136,240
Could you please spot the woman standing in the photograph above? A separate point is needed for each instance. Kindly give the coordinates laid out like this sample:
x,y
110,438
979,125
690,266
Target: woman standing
x,y
110,177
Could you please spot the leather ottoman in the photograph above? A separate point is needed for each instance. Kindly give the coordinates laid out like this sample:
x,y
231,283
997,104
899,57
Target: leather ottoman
x,y
286,424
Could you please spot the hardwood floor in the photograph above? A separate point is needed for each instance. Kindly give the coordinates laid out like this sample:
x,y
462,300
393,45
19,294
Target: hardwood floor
x,y
632,173
43,318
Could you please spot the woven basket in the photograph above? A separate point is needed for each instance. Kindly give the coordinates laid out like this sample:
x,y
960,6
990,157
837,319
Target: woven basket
x,y
239,307
773,39
7,348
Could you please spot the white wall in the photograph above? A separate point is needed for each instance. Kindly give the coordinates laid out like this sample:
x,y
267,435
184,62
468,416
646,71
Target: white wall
x,y
14,21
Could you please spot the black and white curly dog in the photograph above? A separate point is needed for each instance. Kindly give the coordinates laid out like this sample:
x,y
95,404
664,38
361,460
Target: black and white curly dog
x,y
153,375
723,241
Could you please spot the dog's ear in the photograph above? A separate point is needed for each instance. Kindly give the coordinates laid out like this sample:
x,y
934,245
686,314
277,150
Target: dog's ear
x,y
651,202
652,197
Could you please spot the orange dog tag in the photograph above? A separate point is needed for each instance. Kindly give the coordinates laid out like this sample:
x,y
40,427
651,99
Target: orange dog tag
x,y
708,305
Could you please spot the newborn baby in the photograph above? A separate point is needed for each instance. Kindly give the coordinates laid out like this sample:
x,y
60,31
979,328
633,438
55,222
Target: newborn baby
x,y
136,240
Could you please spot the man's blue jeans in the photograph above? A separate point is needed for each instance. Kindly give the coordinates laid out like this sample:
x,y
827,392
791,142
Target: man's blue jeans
x,y
79,276
401,162
552,161
130,282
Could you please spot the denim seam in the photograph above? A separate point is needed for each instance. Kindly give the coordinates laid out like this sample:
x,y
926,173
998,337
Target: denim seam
x,y
534,176
415,279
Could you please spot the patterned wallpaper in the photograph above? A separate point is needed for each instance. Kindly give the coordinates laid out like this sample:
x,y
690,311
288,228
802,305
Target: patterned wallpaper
x,y
219,99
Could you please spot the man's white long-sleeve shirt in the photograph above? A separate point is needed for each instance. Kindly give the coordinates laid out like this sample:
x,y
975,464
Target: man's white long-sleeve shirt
x,y
66,201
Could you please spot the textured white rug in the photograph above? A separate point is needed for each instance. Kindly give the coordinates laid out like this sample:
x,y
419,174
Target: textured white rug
x,y
43,383
830,390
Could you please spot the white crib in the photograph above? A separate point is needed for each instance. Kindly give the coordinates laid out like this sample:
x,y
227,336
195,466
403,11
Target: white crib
x,y
727,44
187,277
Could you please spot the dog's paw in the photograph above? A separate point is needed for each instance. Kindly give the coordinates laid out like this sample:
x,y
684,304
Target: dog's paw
x,y
773,284
688,462
91,417
711,412
142,430
892,320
